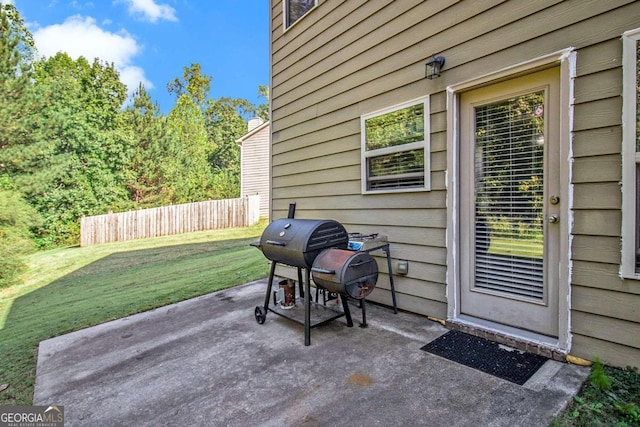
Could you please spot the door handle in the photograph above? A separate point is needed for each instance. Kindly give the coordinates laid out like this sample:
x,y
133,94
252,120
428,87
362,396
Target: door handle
x,y
553,219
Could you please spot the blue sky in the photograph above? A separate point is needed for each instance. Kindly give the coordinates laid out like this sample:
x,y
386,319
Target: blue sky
x,y
150,41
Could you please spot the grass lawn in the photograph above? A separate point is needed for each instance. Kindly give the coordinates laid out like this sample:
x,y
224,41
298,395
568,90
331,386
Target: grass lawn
x,y
72,288
516,247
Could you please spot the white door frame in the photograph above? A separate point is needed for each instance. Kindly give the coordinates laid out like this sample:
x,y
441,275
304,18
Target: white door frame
x,y
567,60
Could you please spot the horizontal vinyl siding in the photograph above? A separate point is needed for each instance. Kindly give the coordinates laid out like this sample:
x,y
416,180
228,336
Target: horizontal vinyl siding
x,y
255,168
349,58
397,54
616,354
316,105
605,310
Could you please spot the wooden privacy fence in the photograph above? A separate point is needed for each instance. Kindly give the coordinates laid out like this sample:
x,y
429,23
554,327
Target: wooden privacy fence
x,y
166,220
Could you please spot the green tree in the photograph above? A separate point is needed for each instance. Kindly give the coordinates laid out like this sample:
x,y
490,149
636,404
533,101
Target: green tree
x,y
262,110
16,49
194,83
153,151
16,216
71,149
74,162
189,176
226,122
16,220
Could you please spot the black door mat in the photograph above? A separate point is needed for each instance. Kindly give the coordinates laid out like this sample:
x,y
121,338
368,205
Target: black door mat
x,y
486,356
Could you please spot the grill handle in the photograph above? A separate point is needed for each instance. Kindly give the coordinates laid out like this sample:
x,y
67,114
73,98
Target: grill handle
x,y
358,264
322,270
275,243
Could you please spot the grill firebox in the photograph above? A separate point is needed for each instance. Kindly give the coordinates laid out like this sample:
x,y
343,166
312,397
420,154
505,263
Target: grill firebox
x,y
345,272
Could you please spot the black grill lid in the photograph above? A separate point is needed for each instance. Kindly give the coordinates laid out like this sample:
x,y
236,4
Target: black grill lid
x,y
297,242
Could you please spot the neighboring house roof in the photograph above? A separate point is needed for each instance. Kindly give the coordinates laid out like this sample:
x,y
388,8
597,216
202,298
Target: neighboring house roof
x,y
253,131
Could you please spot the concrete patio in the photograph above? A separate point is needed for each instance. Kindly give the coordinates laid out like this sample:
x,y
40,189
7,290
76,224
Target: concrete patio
x,y
206,362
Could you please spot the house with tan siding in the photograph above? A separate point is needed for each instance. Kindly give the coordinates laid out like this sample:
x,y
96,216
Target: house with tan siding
x,y
254,163
508,179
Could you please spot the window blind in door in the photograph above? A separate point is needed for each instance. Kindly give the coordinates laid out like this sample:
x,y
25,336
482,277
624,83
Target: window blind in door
x,y
509,190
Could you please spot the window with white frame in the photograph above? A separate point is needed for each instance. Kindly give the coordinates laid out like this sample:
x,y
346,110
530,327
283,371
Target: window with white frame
x,y
631,155
296,9
395,148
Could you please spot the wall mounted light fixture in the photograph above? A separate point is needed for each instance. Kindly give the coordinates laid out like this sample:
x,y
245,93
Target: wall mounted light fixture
x,y
433,67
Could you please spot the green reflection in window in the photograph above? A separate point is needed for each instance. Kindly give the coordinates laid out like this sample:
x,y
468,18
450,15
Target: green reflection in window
x,y
395,128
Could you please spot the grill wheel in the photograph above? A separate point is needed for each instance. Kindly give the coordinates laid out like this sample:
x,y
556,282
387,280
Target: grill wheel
x,y
261,315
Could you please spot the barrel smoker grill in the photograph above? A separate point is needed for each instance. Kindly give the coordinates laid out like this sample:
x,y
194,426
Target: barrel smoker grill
x,y
320,247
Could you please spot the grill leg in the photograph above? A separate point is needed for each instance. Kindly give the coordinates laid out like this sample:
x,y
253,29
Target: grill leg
x,y
307,309
267,297
300,285
261,311
393,286
347,313
363,306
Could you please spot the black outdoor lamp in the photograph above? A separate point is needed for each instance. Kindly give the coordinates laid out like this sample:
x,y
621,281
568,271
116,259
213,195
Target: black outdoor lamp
x,y
433,67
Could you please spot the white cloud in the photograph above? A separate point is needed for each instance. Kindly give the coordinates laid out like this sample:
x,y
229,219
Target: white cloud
x,y
149,10
79,36
134,75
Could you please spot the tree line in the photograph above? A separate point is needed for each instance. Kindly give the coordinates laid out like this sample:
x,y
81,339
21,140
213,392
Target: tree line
x,y
73,143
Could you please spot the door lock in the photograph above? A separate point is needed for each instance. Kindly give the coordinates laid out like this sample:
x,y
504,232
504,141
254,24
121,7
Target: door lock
x,y
553,219
554,200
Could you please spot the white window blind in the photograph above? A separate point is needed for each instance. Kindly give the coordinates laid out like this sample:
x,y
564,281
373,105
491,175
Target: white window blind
x,y
509,174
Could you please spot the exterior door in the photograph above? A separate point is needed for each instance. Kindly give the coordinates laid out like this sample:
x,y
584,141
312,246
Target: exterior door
x,y
510,202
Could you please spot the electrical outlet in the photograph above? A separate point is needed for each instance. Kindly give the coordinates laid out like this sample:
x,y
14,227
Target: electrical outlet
x,y
402,267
